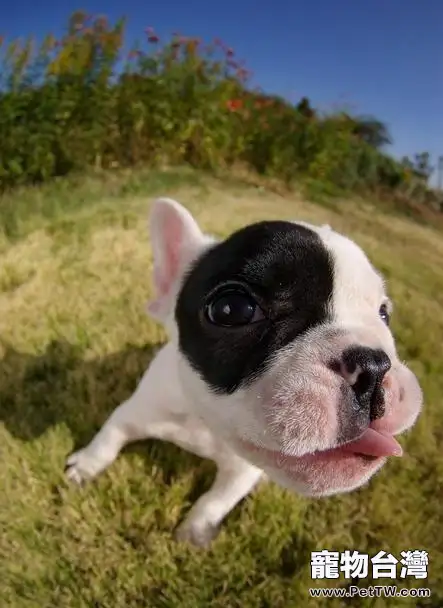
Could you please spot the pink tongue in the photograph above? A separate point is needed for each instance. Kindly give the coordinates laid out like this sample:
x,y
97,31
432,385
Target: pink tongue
x,y
374,443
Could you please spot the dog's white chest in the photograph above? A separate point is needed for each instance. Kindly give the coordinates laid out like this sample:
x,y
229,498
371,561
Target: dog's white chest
x,y
189,433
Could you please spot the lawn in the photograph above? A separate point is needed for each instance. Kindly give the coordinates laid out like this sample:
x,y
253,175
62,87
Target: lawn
x,y
74,338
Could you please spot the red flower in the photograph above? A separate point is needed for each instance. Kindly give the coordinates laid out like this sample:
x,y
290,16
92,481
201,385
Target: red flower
x,y
234,104
153,38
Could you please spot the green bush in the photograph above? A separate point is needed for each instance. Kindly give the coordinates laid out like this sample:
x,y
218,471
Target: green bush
x,y
80,102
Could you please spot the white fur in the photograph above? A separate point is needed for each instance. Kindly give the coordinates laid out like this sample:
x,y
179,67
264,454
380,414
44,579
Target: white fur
x,y
240,432
159,409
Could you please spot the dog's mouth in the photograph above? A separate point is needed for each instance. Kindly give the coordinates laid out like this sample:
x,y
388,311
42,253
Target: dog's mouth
x,y
371,445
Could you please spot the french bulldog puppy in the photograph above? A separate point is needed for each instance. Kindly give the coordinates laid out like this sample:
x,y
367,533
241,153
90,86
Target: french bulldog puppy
x,y
280,364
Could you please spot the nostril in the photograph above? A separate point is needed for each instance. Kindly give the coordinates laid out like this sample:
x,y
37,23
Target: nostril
x,y
363,383
351,367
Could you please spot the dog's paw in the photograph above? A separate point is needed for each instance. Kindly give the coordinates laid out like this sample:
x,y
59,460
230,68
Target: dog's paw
x,y
82,466
199,534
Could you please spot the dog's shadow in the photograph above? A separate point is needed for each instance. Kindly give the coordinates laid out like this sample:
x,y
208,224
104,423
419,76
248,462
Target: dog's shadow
x,y
62,387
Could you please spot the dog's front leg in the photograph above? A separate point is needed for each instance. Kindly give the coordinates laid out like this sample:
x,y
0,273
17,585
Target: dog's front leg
x,y
120,428
235,478
145,414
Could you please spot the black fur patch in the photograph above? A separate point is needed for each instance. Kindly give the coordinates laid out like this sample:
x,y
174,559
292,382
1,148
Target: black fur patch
x,y
289,272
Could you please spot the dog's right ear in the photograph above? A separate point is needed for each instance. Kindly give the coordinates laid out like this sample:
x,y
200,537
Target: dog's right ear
x,y
176,241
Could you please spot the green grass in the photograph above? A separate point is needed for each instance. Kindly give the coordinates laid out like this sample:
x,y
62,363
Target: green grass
x,y
74,278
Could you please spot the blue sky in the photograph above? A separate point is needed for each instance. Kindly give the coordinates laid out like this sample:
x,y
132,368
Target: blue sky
x,y
380,57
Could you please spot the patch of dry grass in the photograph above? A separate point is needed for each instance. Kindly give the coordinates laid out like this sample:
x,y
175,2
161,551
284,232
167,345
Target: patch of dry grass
x,y
74,279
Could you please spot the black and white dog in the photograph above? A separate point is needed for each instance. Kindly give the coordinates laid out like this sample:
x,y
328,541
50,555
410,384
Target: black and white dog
x,y
280,363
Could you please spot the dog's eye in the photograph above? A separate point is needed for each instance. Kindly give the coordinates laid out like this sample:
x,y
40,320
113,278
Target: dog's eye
x,y
384,313
233,309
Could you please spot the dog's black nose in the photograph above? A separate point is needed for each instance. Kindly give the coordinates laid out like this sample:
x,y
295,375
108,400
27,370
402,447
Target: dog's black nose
x,y
366,368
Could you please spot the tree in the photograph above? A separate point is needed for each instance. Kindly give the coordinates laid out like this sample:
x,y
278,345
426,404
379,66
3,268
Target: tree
x,y
419,165
407,163
374,132
304,107
422,166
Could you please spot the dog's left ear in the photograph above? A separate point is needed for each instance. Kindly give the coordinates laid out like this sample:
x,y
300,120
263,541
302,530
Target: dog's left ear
x,y
176,241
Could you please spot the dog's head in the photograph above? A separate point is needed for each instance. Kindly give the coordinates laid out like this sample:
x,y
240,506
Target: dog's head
x,y
284,347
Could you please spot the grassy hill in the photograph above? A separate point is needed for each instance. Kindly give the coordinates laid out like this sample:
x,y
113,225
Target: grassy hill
x,y
74,278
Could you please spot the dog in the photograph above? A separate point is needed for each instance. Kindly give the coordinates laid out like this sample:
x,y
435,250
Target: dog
x,y
280,364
